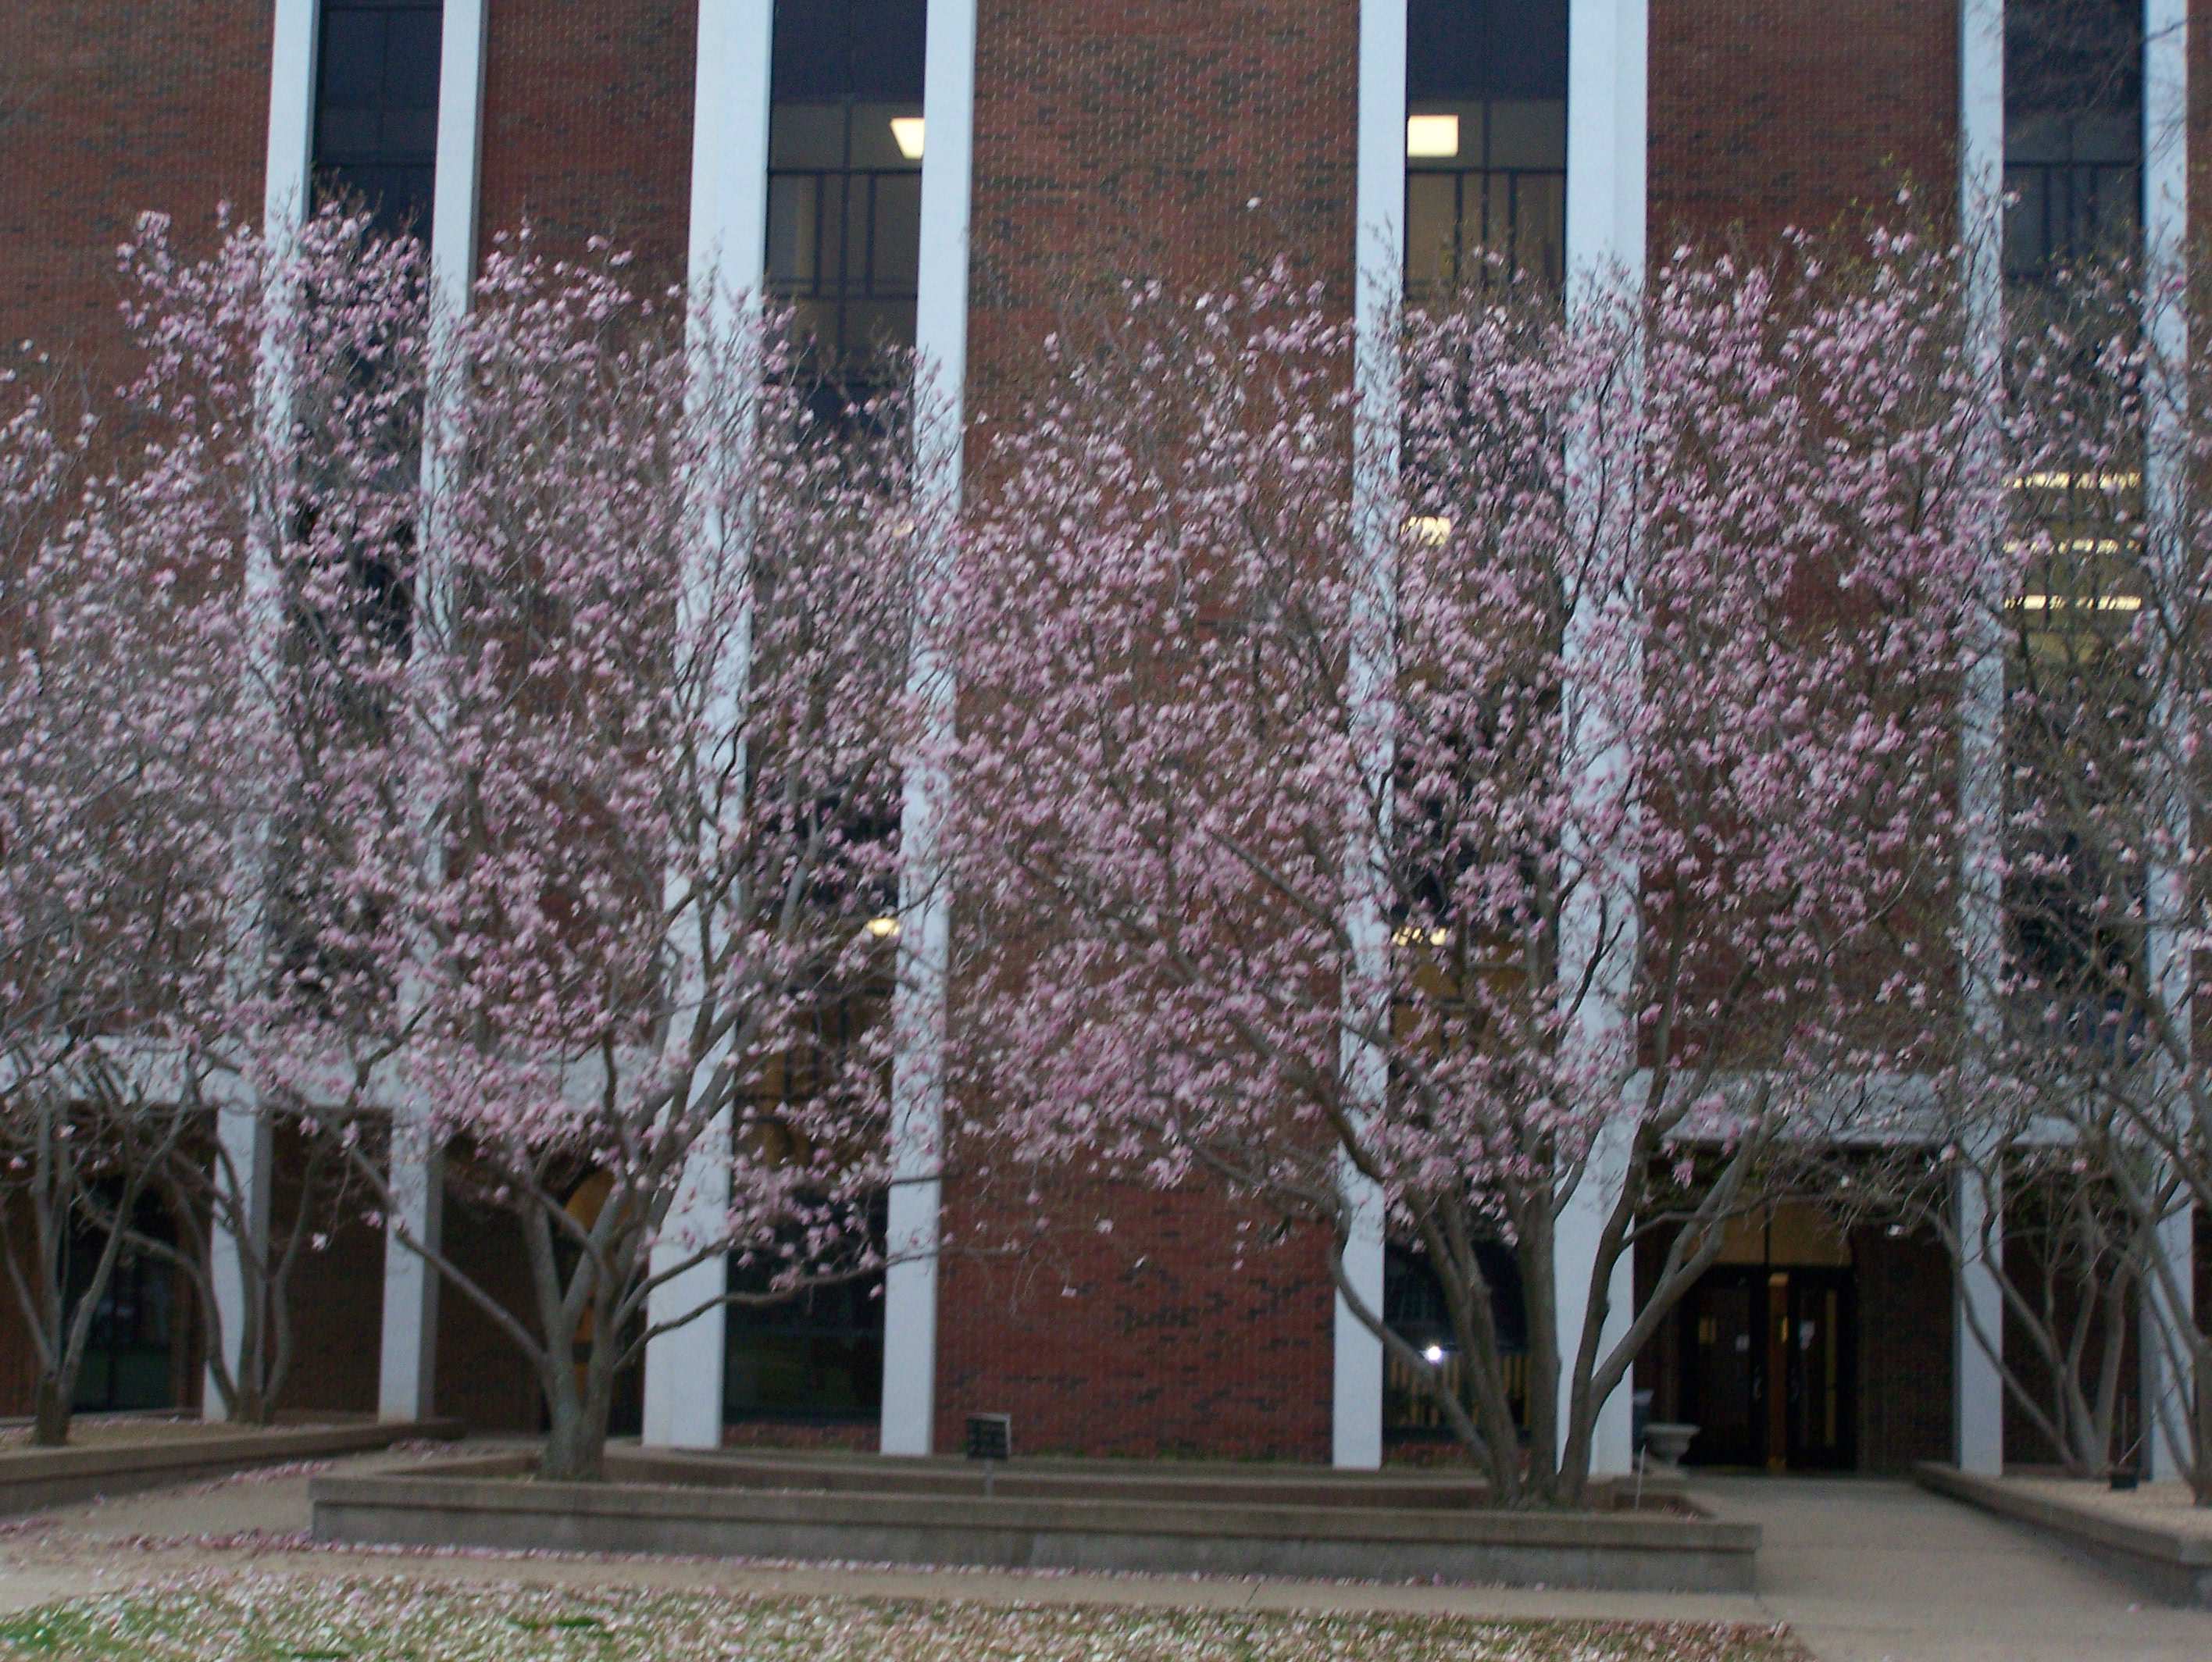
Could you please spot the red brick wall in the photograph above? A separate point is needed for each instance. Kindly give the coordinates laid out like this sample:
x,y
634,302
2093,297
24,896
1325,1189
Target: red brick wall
x,y
336,1296
1904,1290
1769,113
1135,135
483,1378
109,108
1193,143
1144,1341
587,124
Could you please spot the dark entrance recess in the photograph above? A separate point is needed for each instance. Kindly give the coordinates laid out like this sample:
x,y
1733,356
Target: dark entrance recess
x,y
1768,1368
127,1357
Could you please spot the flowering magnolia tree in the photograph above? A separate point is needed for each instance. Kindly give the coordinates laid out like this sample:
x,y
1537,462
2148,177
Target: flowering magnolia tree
x,y
1573,812
2104,602
478,740
588,820
118,700
1980,1165
142,703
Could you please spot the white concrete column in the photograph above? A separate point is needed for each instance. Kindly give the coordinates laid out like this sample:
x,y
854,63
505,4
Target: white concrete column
x,y
918,1009
1977,1322
1608,89
408,1360
2168,1381
683,1368
1981,217
287,195
1977,1198
1609,74
458,180
1574,1264
244,1172
293,50
407,1356
1356,1427
2167,1372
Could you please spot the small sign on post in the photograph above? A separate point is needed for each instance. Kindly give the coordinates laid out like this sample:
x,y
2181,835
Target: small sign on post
x,y
990,1439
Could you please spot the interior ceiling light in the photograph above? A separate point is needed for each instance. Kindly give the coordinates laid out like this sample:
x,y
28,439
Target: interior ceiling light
x,y
1431,135
2076,481
905,130
2060,603
2068,545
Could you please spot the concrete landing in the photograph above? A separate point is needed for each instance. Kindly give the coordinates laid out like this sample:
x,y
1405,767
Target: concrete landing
x,y
1866,1570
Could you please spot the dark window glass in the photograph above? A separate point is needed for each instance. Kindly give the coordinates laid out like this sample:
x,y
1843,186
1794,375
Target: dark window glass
x,y
1486,141
1414,1308
817,1356
2073,130
1483,49
126,1358
376,107
845,139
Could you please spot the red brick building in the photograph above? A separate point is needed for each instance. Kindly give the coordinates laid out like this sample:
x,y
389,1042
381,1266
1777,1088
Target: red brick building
x,y
927,171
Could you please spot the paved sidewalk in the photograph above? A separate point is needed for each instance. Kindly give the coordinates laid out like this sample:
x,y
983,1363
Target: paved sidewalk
x,y
1863,1571
1866,1570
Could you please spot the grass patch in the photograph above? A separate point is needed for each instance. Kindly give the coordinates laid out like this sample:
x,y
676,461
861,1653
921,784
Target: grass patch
x,y
289,1619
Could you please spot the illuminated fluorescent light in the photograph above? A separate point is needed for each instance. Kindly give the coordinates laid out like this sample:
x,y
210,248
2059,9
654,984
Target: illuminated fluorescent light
x,y
1432,136
2071,481
907,130
2060,603
884,929
2070,545
1430,529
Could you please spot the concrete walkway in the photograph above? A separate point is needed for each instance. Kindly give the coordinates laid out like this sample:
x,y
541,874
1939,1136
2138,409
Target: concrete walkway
x,y
1863,1571
1872,1571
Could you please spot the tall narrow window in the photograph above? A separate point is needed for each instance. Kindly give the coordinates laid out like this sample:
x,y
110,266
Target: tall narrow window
x,y
376,107
1486,141
2078,715
845,146
2073,130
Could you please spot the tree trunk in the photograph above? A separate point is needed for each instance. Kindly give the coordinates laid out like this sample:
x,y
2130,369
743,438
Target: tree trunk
x,y
50,1414
575,1443
249,1407
2200,1395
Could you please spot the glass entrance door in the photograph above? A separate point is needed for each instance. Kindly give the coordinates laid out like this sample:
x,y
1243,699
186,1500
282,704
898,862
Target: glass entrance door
x,y
1768,1368
1724,1368
1819,1399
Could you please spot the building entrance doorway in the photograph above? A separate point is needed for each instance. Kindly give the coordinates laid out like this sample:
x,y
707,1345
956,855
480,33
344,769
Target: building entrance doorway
x,y
1768,1368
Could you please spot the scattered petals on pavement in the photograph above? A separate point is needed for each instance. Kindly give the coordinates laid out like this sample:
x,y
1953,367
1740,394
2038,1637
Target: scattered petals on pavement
x,y
251,1618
